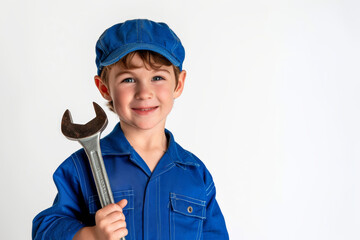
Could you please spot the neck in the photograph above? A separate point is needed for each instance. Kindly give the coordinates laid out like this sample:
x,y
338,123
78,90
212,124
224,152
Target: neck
x,y
149,144
148,139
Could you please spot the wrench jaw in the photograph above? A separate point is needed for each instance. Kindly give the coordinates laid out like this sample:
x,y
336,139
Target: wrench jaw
x,y
75,131
88,135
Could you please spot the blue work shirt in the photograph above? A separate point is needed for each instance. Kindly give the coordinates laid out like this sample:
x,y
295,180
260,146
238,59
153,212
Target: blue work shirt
x,y
175,201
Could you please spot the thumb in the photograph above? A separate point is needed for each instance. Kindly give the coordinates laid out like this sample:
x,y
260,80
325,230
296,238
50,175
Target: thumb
x,y
122,203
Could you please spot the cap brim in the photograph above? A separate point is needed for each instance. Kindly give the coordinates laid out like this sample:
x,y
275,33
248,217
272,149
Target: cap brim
x,y
126,49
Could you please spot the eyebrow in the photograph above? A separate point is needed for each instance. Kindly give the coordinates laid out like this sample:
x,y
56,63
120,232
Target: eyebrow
x,y
130,72
121,73
161,70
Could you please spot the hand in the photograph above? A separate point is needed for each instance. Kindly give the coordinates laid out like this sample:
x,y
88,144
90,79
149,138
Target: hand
x,y
110,222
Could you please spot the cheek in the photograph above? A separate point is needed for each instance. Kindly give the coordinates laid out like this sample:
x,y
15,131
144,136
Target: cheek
x,y
119,97
166,93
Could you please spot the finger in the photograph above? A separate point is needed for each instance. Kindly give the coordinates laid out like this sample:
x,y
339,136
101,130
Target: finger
x,y
114,217
122,232
119,224
115,226
122,203
103,212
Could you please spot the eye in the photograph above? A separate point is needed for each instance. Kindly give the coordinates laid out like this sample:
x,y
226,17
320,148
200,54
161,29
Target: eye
x,y
157,78
128,80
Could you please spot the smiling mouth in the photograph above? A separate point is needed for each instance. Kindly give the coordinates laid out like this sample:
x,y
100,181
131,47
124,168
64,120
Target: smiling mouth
x,y
145,109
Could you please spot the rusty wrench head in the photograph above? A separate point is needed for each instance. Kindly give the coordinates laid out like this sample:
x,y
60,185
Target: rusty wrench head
x,y
75,131
88,135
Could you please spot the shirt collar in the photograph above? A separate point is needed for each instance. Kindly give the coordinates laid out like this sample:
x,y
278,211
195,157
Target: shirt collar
x,y
178,154
115,143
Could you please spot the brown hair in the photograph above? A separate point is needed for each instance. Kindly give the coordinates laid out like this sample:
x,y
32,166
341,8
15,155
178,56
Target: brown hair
x,y
152,59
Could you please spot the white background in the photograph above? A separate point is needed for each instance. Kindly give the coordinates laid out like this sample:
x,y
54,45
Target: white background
x,y
271,105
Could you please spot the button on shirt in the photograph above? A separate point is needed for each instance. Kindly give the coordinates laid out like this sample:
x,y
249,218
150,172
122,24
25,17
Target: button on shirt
x,y
175,201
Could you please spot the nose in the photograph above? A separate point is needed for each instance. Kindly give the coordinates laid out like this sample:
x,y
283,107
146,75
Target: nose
x,y
143,91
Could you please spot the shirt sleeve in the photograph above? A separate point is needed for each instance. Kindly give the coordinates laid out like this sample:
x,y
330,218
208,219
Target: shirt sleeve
x,y
214,225
63,219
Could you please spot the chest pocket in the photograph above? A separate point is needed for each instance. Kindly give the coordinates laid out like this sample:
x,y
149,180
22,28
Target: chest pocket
x,y
94,205
186,217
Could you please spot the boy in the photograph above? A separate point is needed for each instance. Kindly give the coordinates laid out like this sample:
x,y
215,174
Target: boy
x,y
162,191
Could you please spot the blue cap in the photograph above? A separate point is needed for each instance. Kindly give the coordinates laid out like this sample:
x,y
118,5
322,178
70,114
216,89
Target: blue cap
x,y
139,34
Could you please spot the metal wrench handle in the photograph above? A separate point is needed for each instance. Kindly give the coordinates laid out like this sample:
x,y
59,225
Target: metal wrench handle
x,y
92,148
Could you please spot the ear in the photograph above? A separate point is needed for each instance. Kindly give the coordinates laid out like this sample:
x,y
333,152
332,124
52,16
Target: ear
x,y
180,86
103,89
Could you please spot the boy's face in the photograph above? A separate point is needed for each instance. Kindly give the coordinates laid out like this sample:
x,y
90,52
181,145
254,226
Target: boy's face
x,y
142,97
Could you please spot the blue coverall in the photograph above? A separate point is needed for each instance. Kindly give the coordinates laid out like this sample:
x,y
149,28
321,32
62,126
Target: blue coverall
x,y
175,201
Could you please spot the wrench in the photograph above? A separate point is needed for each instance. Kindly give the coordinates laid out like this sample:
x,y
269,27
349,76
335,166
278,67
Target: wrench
x,y
88,135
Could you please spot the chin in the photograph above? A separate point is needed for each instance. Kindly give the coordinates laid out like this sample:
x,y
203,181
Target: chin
x,y
142,125
146,126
